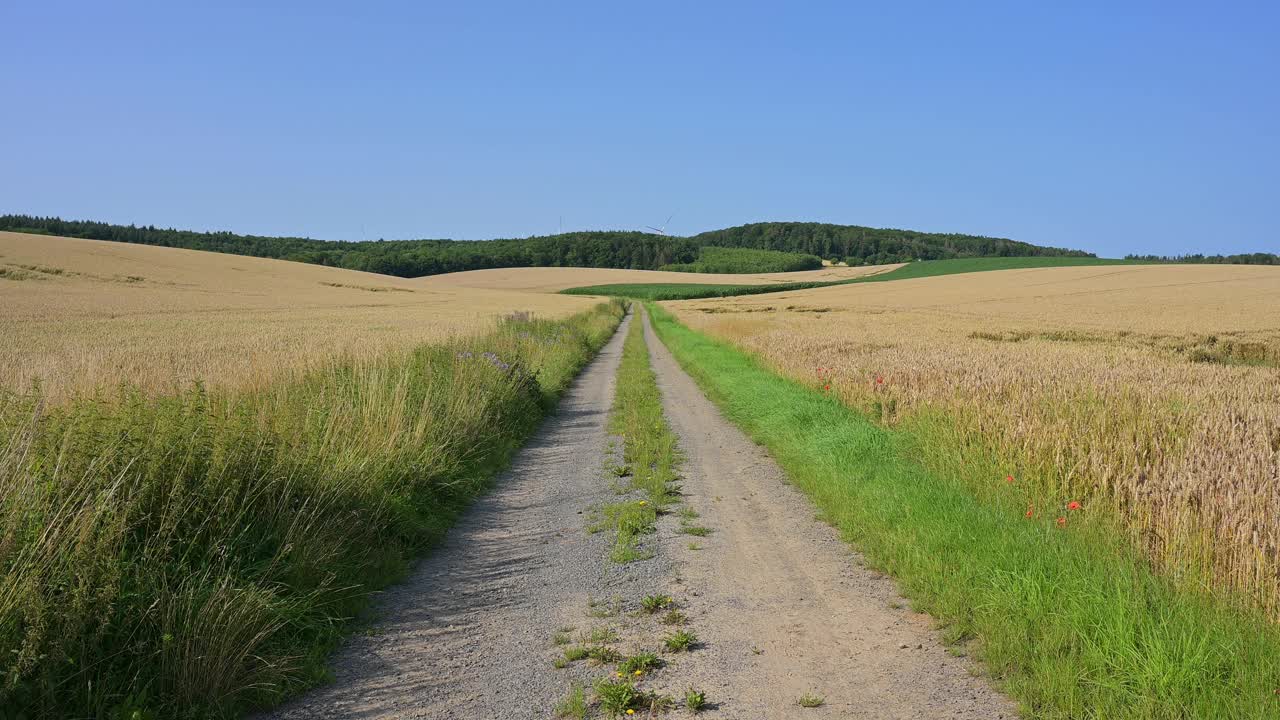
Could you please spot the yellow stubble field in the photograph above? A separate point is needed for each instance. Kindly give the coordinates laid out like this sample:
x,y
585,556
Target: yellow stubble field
x,y
1151,393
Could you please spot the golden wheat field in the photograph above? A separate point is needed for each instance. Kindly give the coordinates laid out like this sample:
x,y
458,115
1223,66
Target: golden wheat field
x,y
81,314
1151,393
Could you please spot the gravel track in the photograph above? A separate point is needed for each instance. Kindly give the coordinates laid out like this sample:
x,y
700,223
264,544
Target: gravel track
x,y
783,605
468,634
779,602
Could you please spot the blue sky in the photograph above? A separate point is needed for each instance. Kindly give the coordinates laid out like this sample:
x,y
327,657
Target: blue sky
x,y
1114,127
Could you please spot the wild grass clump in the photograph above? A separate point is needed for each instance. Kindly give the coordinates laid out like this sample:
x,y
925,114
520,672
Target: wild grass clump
x,y
639,664
197,554
680,641
811,700
630,520
695,701
653,603
619,698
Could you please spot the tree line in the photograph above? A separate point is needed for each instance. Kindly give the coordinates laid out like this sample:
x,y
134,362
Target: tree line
x,y
860,245
1198,259
606,248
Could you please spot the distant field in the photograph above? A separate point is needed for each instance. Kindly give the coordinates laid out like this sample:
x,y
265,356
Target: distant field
x,y
927,268
79,314
555,279
1150,394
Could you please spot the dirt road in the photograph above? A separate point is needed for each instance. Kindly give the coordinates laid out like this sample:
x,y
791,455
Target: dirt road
x,y
466,635
780,604
784,606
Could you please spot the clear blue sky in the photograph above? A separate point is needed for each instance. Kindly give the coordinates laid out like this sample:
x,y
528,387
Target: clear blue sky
x,y
1109,126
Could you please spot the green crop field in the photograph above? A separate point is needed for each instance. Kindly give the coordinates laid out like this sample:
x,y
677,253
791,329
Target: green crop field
x,y
924,268
746,260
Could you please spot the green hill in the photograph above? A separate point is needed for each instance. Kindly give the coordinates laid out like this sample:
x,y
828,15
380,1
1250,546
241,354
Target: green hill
x,y
858,245
609,248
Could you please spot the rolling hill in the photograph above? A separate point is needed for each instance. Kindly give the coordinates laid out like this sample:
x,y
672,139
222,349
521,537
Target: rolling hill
x,y
854,244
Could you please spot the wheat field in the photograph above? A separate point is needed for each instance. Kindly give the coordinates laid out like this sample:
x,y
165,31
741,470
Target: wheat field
x,y
1147,393
1151,391
83,314
78,315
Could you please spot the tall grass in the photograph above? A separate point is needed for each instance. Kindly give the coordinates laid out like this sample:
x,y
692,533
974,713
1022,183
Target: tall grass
x,y
197,555
1069,618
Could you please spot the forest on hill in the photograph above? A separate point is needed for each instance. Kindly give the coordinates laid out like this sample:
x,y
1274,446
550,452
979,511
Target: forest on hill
x,y
712,259
860,245
605,248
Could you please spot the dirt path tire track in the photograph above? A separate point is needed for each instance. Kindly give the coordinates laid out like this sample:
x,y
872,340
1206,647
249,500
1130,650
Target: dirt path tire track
x,y
467,635
782,604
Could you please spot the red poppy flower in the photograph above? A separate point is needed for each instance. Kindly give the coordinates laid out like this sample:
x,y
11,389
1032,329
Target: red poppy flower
x,y
1008,478
879,380
1062,522
826,387
1073,505
1030,512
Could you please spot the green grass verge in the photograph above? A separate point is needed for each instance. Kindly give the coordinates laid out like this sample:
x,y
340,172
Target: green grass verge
x,y
649,449
925,268
198,555
1069,620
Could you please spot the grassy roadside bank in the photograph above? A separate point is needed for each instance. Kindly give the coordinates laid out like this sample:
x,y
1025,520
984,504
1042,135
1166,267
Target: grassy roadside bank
x,y
1068,619
198,555
925,268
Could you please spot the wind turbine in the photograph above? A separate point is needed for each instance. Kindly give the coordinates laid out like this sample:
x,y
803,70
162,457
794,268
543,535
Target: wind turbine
x,y
661,230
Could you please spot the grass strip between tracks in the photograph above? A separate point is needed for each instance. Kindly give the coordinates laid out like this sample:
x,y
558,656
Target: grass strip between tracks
x,y
649,450
1067,619
648,477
